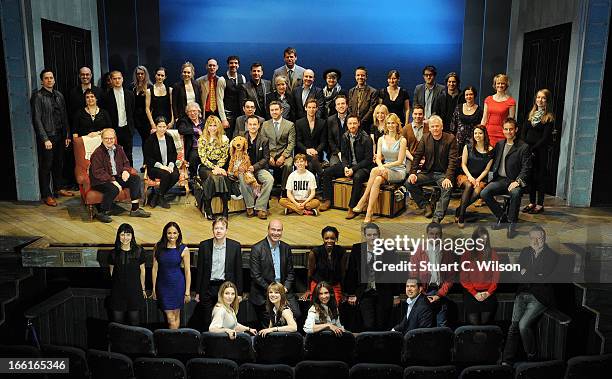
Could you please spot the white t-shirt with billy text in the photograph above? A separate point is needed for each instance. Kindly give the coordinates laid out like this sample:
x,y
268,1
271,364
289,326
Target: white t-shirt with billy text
x,y
301,184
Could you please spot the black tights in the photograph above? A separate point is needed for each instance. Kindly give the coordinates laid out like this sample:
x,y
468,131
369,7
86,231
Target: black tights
x,y
133,317
469,195
482,318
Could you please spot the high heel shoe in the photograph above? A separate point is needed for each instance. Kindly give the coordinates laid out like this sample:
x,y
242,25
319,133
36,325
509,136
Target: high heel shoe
x,y
357,210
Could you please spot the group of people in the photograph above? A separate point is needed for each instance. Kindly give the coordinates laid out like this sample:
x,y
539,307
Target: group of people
x,y
339,283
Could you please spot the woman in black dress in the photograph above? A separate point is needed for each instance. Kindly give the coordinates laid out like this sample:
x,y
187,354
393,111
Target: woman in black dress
x,y
140,85
281,316
159,100
396,98
465,117
91,120
127,268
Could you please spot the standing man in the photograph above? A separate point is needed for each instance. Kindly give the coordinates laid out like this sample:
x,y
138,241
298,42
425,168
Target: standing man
x,y
290,70
447,101
212,89
120,106
241,121
256,89
362,98
219,260
336,126
76,99
306,91
427,93
231,99
311,137
271,261
50,122
418,312
280,134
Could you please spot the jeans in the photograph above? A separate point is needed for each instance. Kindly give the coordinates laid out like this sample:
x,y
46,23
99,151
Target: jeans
x,y
525,313
267,182
416,191
500,187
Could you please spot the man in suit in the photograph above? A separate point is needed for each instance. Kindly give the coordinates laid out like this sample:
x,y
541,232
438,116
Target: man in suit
x,y
418,312
414,132
306,91
219,260
256,89
231,98
241,121
311,136
440,152
357,152
271,260
120,106
212,90
447,101
290,70
510,169
362,98
427,93
336,126
280,134
259,154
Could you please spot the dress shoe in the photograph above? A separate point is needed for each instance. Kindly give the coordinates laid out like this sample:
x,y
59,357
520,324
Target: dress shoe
x,y
528,208
104,217
536,210
250,212
262,215
501,223
140,213
154,200
325,205
428,211
163,202
50,201
511,233
351,215
65,193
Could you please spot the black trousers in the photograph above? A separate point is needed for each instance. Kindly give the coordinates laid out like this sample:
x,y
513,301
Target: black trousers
x,y
337,171
375,308
202,314
124,138
167,180
50,166
110,191
143,127
538,178
263,317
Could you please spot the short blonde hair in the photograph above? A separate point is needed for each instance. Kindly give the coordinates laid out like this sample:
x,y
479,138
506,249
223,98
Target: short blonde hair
x,y
398,125
379,108
503,78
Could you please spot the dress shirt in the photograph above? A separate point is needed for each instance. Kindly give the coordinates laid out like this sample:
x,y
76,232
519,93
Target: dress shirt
x,y
411,303
111,154
275,250
435,257
418,131
305,93
217,271
120,99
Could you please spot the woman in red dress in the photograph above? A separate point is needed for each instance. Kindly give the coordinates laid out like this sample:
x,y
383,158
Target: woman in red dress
x,y
497,108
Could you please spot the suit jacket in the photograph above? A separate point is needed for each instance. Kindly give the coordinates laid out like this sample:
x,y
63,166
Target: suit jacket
x,y
179,97
152,154
419,94
262,270
233,264
307,139
262,151
447,278
110,104
447,154
538,274
298,74
335,131
281,143
366,108
412,141
290,99
315,92
249,92
518,161
241,124
364,150
420,316
220,93
355,279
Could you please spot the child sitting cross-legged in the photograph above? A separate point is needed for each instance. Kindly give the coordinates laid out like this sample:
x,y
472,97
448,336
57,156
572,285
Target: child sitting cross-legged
x,y
301,187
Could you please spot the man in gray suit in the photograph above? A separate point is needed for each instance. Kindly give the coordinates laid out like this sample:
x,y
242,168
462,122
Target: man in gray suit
x,y
212,90
281,137
241,122
256,89
290,70
427,93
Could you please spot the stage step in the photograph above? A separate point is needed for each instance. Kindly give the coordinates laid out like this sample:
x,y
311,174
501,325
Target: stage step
x,y
598,299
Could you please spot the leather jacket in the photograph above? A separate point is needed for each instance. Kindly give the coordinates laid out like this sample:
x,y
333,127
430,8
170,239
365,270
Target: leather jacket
x,y
46,124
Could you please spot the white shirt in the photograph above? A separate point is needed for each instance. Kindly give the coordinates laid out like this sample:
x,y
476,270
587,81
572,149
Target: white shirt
x,y
190,93
411,303
301,184
120,100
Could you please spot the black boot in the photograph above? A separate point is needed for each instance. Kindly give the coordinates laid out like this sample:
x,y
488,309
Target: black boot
x,y
225,200
154,200
208,213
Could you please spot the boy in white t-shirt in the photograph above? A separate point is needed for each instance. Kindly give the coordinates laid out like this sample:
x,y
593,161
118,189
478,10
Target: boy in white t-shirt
x,y
301,187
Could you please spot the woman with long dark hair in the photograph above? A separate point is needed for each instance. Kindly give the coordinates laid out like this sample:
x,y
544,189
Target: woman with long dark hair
x,y
171,286
160,157
323,314
281,316
159,100
395,97
465,117
127,269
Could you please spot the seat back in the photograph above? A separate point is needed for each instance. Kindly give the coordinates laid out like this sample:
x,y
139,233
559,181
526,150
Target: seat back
x,y
478,345
201,368
378,347
159,368
589,366
326,346
486,372
219,345
182,344
279,347
420,343
430,372
321,370
265,371
77,357
19,351
132,341
83,147
540,370
104,364
376,371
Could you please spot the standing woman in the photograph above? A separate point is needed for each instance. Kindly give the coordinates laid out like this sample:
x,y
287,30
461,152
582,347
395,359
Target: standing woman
x,y
326,263
185,91
171,286
159,100
281,316
392,151
224,314
127,268
141,83
323,314
160,157
330,91
284,97
395,98
536,133
497,108
91,120
213,149
377,129
465,117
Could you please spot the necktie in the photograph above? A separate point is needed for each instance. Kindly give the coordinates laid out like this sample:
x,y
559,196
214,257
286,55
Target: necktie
x,y
212,95
290,78
276,126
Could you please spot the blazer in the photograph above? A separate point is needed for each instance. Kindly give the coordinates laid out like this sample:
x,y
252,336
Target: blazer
x,y
366,108
262,151
412,141
297,77
233,265
179,97
241,128
364,150
518,161
110,104
355,283
315,92
420,316
100,169
220,93
152,154
290,99
262,270
284,142
306,139
419,94
447,154
335,130
249,92
538,274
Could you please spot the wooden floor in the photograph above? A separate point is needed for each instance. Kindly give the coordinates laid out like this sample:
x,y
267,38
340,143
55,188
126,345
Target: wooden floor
x,y
69,223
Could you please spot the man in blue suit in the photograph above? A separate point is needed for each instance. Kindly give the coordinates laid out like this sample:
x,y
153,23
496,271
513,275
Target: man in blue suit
x,y
418,314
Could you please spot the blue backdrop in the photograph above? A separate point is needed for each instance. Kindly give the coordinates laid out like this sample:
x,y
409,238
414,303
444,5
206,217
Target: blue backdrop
x,y
382,35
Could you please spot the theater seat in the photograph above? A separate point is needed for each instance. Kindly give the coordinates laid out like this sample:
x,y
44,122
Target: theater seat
x,y
321,370
219,345
539,370
376,371
478,345
76,356
104,365
487,372
589,367
19,351
430,372
420,345
326,346
378,347
279,347
267,371
132,341
159,368
205,368
182,344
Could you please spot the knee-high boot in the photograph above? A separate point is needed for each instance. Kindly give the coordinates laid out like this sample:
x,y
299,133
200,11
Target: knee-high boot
x,y
208,213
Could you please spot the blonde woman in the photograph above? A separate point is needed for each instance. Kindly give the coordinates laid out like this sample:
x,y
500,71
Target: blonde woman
x,y
185,91
224,319
213,149
281,316
377,129
390,164
497,108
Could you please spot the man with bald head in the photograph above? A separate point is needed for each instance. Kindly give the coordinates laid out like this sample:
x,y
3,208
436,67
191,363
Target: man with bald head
x,y
212,89
271,261
76,97
306,91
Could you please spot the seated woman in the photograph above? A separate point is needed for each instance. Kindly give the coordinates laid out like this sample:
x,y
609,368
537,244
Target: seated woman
x,y
281,316
160,157
190,127
323,314
476,162
326,263
91,120
213,149
224,313
392,151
